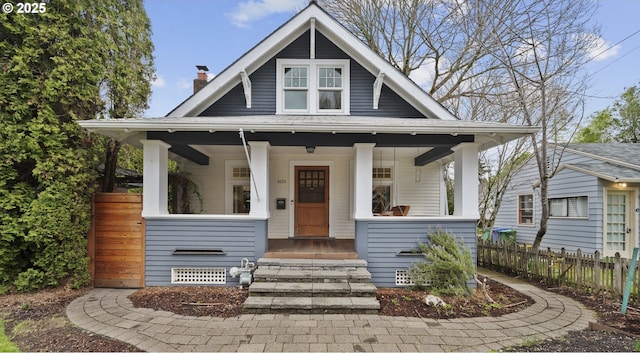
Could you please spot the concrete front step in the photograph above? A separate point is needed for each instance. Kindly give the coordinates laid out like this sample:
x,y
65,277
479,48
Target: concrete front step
x,y
311,286
358,275
311,264
313,305
312,289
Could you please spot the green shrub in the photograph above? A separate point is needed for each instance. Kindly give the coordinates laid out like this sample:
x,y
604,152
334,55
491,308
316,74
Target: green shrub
x,y
448,266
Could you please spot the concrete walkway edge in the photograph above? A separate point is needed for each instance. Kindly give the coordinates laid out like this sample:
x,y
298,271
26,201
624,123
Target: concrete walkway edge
x,y
110,313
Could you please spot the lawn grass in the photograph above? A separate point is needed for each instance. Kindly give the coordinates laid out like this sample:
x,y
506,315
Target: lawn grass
x,y
5,343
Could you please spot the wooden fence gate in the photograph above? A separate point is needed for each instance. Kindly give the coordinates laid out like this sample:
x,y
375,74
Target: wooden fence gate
x,y
116,241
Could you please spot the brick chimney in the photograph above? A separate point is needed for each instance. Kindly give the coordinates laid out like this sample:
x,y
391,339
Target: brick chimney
x,y
201,80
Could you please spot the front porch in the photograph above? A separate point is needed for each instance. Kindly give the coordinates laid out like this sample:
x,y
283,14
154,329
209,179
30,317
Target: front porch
x,y
311,248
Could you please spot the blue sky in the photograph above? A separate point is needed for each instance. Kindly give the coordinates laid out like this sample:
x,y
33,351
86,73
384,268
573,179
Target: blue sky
x,y
217,32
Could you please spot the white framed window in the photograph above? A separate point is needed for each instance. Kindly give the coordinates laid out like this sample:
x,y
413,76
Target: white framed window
x,y
572,207
237,187
382,194
525,209
312,86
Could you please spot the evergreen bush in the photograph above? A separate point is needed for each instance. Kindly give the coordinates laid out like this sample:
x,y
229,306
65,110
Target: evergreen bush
x,y
448,266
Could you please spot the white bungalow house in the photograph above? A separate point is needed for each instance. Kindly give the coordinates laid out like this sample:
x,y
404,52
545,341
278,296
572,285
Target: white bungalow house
x,y
327,123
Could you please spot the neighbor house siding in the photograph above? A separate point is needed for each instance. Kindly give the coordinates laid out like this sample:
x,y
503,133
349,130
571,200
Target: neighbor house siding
x,y
263,86
380,242
575,233
521,184
568,233
238,239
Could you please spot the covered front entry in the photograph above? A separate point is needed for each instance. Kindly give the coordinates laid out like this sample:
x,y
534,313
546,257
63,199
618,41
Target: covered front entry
x,y
311,210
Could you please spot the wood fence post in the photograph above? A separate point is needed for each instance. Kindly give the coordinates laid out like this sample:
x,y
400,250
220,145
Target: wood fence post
x,y
525,261
579,269
516,259
562,280
490,254
505,254
617,276
536,262
549,266
596,272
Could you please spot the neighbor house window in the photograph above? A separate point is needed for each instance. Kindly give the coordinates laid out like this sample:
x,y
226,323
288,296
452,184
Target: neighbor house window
x,y
569,207
382,189
312,86
525,209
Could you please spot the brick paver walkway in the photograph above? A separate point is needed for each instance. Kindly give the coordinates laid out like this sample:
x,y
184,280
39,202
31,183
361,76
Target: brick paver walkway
x,y
108,312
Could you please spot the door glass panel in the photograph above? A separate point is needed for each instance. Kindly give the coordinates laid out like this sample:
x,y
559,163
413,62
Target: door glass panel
x,y
311,186
616,235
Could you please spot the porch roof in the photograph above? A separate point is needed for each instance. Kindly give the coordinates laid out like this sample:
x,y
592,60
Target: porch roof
x,y
486,134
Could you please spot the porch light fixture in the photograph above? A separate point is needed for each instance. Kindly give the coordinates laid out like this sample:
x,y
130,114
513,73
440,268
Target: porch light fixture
x,y
622,185
310,149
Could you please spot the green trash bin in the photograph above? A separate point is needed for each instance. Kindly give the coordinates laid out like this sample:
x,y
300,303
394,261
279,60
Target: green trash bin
x,y
508,236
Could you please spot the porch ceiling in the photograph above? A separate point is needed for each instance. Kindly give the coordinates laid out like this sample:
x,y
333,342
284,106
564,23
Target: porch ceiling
x,y
441,143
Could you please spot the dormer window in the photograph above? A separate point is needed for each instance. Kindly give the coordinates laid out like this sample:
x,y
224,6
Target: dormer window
x,y
312,86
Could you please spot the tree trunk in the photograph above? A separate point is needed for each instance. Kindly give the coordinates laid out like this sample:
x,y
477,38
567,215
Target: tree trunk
x,y
544,212
110,165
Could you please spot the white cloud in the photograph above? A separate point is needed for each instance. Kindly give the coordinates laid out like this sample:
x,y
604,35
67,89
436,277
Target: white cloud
x,y
600,49
183,84
423,76
159,82
252,10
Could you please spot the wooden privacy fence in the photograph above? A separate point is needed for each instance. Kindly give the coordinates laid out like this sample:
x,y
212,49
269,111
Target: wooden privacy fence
x,y
115,241
587,273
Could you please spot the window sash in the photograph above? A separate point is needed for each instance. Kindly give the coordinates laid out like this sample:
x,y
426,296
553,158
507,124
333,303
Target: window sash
x,y
525,209
576,207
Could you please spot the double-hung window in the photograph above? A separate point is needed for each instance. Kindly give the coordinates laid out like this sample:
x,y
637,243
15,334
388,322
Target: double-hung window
x,y
525,209
312,86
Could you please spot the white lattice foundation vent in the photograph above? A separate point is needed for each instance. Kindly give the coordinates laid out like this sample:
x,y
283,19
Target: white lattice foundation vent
x,y
199,275
403,278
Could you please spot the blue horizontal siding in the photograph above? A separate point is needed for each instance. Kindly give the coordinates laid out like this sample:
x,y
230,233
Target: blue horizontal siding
x,y
379,242
237,238
263,86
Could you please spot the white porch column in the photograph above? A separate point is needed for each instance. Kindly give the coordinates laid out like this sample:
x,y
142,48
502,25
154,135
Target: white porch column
x,y
155,198
466,180
260,179
363,180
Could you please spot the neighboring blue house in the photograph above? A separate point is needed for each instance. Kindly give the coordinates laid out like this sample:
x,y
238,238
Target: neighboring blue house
x,y
328,123
593,199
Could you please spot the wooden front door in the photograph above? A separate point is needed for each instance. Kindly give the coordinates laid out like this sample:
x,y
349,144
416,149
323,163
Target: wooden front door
x,y
311,201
